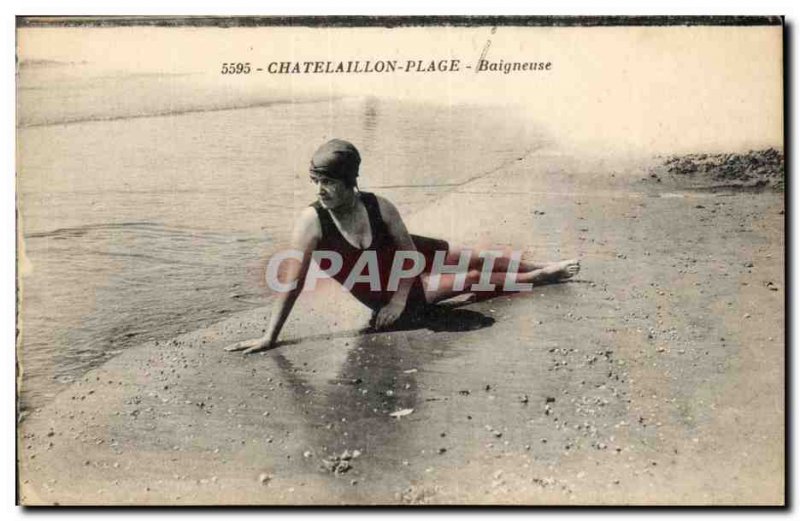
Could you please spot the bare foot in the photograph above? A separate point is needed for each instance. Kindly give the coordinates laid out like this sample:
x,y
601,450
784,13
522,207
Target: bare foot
x,y
564,269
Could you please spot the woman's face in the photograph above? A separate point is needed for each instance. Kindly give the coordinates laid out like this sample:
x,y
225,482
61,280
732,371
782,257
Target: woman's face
x,y
331,193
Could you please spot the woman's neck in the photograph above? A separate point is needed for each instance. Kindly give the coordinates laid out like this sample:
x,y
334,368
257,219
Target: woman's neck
x,y
347,207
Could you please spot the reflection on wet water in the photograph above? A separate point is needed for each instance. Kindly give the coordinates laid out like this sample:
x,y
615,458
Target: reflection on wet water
x,y
378,376
370,117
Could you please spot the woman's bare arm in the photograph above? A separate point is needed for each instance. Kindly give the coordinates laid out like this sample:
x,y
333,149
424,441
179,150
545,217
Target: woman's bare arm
x,y
305,237
402,239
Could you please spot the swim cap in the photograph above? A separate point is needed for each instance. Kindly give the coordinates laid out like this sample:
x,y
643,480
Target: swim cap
x,y
338,159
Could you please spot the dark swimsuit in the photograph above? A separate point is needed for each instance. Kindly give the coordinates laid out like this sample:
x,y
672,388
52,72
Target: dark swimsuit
x,y
384,246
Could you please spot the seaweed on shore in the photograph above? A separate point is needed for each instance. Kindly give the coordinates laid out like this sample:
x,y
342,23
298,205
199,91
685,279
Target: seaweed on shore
x,y
753,169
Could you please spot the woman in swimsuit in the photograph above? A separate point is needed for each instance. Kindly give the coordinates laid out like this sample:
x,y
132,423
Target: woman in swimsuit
x,y
349,223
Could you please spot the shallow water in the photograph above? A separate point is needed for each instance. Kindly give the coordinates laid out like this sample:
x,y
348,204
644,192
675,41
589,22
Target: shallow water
x,y
142,219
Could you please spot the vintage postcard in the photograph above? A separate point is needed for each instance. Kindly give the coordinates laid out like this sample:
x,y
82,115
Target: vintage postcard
x,y
400,261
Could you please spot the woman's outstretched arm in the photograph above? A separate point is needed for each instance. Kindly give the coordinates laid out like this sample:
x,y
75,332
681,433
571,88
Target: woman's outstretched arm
x,y
305,237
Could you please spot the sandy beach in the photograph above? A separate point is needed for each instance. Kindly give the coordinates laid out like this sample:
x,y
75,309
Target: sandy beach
x,y
656,377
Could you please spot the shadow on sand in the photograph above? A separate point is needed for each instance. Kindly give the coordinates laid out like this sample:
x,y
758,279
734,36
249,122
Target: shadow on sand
x,y
438,319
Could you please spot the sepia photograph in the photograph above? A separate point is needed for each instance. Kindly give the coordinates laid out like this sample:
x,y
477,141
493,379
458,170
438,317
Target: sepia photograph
x,y
412,260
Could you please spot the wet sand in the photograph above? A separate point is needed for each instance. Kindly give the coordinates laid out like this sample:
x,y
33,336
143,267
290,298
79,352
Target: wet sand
x,y
655,377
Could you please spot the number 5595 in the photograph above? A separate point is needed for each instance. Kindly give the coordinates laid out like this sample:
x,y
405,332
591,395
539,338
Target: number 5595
x,y
236,68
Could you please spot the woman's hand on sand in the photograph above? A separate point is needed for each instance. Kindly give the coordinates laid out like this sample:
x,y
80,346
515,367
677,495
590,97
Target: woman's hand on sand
x,y
388,315
251,346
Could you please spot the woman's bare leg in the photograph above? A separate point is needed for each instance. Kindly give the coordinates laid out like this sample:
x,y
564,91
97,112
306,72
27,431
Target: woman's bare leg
x,y
446,289
500,264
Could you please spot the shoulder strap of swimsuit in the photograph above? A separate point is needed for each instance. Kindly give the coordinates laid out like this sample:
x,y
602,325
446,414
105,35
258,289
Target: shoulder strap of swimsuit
x,y
376,221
